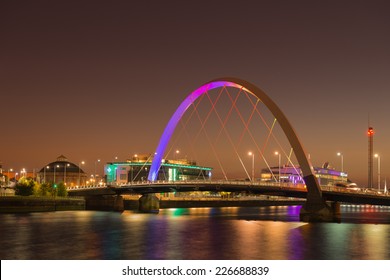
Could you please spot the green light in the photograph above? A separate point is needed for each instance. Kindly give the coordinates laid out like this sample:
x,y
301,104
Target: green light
x,y
186,166
178,211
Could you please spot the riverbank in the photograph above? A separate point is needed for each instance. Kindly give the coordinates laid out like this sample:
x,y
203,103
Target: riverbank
x,y
25,204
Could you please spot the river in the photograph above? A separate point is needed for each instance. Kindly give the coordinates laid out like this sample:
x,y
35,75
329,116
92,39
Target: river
x,y
270,233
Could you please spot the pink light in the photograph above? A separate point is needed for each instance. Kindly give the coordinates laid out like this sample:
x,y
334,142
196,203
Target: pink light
x,y
170,128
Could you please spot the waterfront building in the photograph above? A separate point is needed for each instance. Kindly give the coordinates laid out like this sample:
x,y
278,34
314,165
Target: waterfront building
x,y
63,171
2,176
10,176
137,169
291,174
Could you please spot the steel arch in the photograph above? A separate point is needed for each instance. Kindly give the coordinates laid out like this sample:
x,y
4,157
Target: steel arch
x,y
314,191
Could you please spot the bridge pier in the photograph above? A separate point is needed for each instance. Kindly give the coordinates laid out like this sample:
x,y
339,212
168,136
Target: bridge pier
x,y
149,203
316,209
322,212
118,204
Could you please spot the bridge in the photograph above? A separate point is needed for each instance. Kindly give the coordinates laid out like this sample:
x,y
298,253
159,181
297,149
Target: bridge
x,y
260,106
332,194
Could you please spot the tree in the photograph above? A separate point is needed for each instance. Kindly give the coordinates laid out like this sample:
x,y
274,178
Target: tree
x,y
61,190
24,187
37,189
42,189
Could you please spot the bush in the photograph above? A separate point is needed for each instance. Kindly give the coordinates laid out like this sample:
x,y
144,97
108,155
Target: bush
x,y
61,190
44,189
24,187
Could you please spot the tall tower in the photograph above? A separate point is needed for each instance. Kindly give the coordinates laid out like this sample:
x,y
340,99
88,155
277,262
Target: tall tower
x,y
370,134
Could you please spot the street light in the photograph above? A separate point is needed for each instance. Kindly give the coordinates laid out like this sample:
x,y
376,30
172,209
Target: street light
x,y
177,154
342,161
80,163
9,170
65,165
44,173
278,154
94,175
379,171
54,178
253,165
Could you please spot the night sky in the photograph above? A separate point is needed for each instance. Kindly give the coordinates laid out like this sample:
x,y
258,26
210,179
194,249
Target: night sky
x,y
100,79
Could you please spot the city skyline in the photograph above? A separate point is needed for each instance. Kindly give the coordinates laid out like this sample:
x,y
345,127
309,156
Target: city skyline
x,y
95,81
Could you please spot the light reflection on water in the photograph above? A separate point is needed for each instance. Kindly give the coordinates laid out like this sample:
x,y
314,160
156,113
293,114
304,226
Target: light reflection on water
x,y
196,233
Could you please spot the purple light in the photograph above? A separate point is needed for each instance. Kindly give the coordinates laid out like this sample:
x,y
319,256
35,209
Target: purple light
x,y
170,128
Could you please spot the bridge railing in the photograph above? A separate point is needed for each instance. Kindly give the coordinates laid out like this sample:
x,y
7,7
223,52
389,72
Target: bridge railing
x,y
83,187
279,185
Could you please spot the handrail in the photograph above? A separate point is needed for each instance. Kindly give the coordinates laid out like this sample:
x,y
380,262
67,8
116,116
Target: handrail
x,y
230,182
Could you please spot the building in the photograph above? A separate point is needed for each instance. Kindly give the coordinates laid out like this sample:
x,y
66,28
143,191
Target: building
x,y
137,169
2,176
289,174
10,175
63,171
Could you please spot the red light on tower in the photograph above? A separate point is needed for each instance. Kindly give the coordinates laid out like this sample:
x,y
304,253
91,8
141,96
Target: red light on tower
x,y
370,133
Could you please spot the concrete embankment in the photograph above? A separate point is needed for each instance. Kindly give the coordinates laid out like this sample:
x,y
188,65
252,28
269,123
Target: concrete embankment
x,y
23,204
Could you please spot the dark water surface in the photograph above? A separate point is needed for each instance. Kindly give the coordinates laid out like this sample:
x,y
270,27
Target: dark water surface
x,y
203,233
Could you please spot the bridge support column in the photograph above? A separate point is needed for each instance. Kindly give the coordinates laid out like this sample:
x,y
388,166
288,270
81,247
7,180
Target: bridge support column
x,y
315,208
335,206
320,212
149,203
118,204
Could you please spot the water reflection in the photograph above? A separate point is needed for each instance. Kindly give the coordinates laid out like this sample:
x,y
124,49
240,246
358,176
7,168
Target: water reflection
x,y
196,233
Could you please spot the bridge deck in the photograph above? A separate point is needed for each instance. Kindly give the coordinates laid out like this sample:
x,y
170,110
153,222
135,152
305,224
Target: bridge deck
x,y
339,194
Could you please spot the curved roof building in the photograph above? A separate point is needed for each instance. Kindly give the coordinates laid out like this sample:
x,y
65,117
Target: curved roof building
x,y
64,171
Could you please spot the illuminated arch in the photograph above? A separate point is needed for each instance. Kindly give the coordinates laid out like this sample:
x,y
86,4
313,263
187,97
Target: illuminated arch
x,y
314,191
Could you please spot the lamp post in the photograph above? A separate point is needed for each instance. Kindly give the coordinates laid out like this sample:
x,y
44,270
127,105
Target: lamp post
x,y
80,163
54,178
94,175
177,154
65,165
342,161
278,154
44,173
379,171
9,170
253,165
